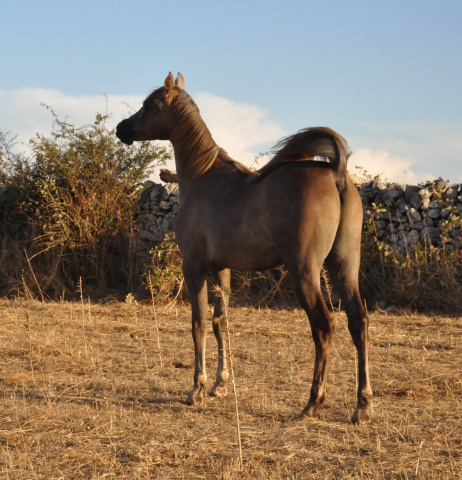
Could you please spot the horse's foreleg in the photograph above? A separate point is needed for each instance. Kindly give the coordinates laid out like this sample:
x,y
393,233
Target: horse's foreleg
x,y
322,330
343,272
222,281
197,287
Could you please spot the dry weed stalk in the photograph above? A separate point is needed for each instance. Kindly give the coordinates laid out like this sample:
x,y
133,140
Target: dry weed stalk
x,y
82,310
27,291
33,275
328,287
151,289
220,293
175,299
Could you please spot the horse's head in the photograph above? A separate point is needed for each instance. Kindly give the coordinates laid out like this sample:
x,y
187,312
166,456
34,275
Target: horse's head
x,y
153,120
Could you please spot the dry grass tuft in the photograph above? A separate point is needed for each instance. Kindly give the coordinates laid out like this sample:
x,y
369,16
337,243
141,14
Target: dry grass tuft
x,y
86,394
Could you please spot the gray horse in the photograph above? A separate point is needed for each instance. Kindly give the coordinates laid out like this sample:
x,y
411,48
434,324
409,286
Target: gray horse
x,y
301,210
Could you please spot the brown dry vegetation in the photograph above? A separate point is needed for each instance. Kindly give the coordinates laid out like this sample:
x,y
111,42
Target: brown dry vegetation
x,y
87,394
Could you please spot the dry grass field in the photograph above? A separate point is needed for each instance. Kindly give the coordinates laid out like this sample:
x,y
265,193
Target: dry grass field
x,y
97,391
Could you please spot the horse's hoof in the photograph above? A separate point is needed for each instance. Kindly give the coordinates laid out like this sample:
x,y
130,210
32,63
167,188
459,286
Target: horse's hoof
x,y
361,416
219,391
310,411
195,399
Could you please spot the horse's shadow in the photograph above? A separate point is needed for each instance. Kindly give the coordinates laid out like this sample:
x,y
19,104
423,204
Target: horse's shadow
x,y
170,401
167,399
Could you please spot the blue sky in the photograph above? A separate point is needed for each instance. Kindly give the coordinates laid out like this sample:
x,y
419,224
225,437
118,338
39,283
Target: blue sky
x,y
386,75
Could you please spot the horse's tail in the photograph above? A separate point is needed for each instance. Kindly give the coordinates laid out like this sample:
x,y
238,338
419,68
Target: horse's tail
x,y
320,145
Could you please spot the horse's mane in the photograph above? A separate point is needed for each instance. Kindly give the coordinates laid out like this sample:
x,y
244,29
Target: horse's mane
x,y
193,130
316,144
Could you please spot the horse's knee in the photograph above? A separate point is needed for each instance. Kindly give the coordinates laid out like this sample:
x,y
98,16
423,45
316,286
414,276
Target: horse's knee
x,y
322,328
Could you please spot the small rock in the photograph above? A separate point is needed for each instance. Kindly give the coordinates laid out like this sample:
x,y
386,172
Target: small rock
x,y
413,215
380,224
430,235
434,213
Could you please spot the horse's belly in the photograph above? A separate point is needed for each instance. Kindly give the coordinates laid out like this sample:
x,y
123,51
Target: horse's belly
x,y
245,257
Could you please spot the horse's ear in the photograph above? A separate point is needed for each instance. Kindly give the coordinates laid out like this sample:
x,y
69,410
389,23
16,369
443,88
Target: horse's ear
x,y
179,82
169,82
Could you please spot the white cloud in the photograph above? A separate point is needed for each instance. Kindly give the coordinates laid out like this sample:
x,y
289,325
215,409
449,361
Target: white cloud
x,y
411,152
237,127
387,166
23,113
403,153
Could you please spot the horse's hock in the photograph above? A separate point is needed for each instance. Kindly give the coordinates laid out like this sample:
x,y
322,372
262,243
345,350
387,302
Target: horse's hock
x,y
401,216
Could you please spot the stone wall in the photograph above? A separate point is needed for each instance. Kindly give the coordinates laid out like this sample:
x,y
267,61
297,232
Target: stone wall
x,y
156,210
401,216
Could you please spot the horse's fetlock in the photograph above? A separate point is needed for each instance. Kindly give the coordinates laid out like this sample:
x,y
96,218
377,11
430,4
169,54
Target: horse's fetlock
x,y
365,396
201,380
218,320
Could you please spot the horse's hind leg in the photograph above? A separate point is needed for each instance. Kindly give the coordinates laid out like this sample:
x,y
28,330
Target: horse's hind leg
x,y
307,287
343,265
345,280
197,287
221,280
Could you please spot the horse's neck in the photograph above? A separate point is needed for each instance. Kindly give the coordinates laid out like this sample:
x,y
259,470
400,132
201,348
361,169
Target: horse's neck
x,y
195,150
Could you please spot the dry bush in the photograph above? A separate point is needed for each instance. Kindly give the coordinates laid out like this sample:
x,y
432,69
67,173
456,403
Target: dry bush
x,y
164,275
268,288
425,278
69,207
89,392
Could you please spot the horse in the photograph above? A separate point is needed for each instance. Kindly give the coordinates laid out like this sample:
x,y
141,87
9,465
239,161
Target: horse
x,y
300,210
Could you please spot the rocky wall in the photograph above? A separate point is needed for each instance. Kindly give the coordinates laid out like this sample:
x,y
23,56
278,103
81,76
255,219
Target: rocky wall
x,y
404,216
156,210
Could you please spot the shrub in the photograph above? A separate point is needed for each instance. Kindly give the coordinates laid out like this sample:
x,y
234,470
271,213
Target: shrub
x,y
424,277
164,277
68,208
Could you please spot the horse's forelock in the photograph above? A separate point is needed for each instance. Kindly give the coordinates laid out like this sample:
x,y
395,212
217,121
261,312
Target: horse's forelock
x,y
162,93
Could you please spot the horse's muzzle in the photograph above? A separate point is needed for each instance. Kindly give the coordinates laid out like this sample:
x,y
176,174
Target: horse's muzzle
x,y
123,134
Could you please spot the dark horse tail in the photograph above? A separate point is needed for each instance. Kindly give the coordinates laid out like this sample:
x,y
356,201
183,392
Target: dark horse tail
x,y
310,147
